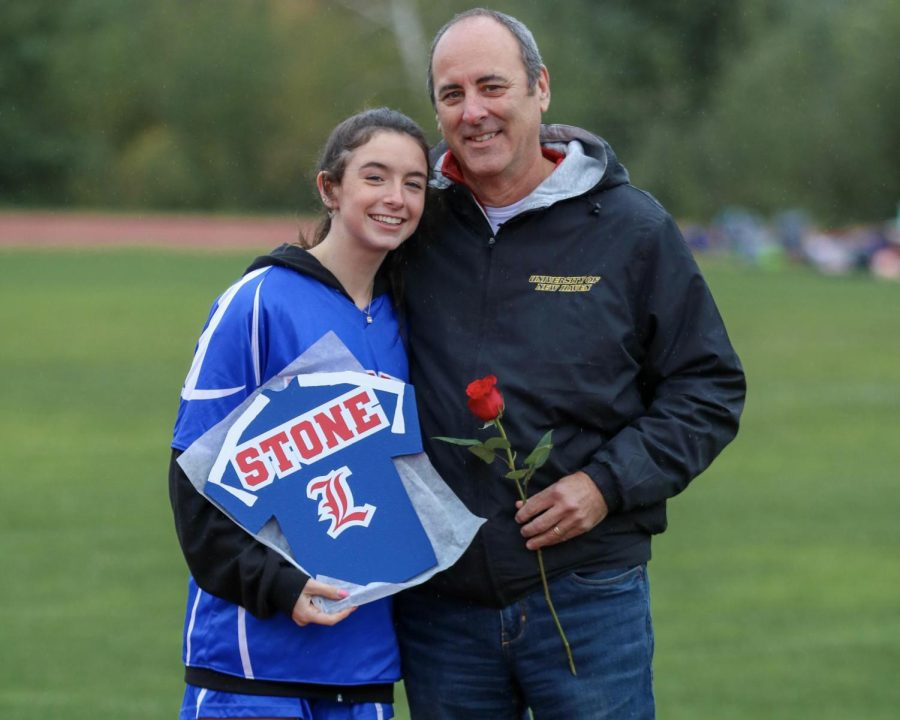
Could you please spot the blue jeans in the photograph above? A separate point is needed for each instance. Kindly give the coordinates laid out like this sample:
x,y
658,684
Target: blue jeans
x,y
465,662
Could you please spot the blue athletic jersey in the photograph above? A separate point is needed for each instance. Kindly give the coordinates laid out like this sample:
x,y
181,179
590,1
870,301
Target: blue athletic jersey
x,y
255,328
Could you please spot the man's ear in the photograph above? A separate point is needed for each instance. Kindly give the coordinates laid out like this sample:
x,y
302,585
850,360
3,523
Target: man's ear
x,y
543,88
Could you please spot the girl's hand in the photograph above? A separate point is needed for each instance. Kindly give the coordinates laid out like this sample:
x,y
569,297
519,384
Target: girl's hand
x,y
306,612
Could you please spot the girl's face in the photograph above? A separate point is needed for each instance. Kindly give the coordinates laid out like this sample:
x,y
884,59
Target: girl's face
x,y
380,200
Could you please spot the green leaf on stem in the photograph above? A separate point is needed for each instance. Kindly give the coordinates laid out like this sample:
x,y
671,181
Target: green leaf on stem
x,y
483,453
517,474
541,452
458,441
497,443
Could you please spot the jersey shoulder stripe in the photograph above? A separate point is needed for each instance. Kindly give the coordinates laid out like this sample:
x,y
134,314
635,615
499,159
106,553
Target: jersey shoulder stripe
x,y
190,391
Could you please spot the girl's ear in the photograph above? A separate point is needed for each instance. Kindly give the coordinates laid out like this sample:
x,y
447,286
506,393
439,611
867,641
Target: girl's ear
x,y
326,190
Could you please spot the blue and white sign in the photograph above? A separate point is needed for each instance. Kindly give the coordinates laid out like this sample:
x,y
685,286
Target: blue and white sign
x,y
316,456
326,467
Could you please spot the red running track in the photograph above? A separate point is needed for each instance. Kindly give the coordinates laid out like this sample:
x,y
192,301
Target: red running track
x,y
47,229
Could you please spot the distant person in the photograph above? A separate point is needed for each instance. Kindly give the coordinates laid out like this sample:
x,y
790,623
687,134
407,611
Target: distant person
x,y
255,645
544,266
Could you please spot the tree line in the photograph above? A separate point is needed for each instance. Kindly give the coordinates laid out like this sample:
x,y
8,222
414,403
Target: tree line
x,y
223,104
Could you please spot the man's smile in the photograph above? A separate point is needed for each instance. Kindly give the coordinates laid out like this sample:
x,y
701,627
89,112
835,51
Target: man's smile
x,y
483,137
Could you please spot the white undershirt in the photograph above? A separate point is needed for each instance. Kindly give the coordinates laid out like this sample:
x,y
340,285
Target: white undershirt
x,y
498,215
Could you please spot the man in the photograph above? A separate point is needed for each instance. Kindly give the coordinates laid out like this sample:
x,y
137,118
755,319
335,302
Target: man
x,y
542,265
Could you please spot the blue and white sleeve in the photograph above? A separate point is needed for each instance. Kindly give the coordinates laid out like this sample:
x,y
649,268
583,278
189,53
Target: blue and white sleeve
x,y
227,361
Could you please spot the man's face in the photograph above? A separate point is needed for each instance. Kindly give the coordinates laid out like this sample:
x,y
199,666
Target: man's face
x,y
488,115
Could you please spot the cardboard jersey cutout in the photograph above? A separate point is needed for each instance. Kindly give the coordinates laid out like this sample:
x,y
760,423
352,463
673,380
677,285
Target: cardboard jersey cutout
x,y
308,464
316,455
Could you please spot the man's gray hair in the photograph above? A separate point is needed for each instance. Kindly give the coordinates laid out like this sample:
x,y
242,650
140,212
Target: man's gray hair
x,y
531,56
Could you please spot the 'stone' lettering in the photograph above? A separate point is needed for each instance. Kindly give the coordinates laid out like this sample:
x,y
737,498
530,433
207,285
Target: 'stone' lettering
x,y
362,412
275,446
306,440
252,467
333,426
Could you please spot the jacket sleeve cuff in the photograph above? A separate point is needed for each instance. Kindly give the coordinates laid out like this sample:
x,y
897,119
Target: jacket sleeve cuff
x,y
606,483
287,587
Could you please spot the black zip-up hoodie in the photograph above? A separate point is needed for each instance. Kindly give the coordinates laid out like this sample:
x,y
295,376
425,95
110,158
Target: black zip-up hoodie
x,y
593,315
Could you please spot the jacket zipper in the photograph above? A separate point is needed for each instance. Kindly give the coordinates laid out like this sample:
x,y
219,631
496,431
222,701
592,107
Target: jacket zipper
x,y
485,290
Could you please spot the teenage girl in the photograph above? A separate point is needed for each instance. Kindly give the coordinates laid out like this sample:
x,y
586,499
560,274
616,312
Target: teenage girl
x,y
255,644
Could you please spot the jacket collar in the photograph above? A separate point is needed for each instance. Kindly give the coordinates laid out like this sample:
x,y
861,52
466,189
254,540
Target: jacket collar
x,y
584,162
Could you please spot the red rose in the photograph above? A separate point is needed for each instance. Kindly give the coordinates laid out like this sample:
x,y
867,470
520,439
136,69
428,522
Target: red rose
x,y
485,400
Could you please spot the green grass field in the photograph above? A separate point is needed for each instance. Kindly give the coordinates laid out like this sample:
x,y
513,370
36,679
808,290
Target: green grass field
x,y
776,590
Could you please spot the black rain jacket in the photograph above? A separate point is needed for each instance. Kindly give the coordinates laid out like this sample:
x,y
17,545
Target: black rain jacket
x,y
593,315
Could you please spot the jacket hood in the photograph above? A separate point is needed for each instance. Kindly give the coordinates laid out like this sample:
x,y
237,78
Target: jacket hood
x,y
293,257
589,165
